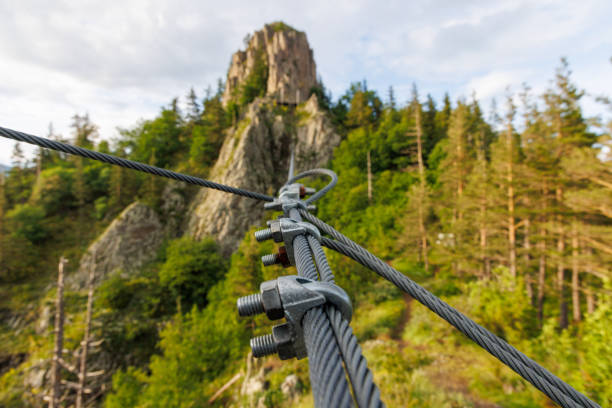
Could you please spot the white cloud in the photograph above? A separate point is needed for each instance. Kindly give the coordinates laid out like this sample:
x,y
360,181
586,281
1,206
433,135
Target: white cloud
x,y
121,61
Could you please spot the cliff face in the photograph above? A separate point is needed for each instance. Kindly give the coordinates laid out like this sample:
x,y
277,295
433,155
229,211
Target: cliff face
x,y
132,239
291,66
255,156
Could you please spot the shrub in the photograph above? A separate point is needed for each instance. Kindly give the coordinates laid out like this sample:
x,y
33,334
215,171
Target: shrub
x,y
191,269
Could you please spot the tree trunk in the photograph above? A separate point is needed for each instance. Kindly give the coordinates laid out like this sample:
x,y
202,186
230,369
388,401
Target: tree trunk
x,y
563,318
85,342
485,266
528,274
369,177
59,336
511,215
575,274
541,276
422,187
590,296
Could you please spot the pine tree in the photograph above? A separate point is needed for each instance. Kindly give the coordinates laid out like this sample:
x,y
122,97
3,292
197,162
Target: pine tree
x,y
193,107
568,131
17,158
505,164
433,131
455,169
391,103
84,132
422,195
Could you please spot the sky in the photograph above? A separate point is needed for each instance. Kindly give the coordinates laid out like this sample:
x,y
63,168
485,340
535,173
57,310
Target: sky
x,y
122,61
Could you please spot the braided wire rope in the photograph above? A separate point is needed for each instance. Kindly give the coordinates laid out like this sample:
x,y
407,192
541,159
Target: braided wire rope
x,y
365,390
476,333
330,387
540,378
129,164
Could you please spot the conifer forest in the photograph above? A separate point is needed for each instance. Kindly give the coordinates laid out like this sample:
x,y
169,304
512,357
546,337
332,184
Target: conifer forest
x,y
503,211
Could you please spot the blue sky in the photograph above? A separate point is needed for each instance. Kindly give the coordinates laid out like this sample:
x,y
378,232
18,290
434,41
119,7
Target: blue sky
x,y
121,61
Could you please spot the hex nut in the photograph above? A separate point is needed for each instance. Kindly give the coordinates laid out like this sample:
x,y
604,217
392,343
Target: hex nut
x,y
283,257
283,337
277,234
271,300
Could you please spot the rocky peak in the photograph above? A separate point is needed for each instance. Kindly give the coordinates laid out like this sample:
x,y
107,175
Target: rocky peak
x,y
291,70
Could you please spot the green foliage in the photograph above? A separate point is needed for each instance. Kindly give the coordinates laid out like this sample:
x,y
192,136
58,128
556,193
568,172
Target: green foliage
x,y
502,306
191,269
583,355
157,141
202,151
128,387
401,376
365,106
27,221
207,134
10,382
53,189
256,82
128,309
375,320
280,26
203,344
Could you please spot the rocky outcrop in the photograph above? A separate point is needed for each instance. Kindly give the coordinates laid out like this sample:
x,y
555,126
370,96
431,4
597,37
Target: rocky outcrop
x,y
290,64
134,237
255,156
130,241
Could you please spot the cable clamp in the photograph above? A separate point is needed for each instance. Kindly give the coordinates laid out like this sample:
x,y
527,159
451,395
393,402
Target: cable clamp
x,y
285,230
290,297
290,197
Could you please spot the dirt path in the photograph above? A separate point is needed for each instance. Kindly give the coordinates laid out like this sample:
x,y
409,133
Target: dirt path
x,y
398,331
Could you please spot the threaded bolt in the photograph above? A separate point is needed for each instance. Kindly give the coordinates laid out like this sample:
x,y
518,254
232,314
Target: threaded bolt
x,y
270,259
263,235
250,305
263,345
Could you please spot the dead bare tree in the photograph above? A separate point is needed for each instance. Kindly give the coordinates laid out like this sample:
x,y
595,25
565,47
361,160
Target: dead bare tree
x,y
85,342
59,336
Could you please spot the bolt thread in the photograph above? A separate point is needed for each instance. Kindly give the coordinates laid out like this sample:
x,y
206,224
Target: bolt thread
x,y
263,235
270,259
263,345
250,305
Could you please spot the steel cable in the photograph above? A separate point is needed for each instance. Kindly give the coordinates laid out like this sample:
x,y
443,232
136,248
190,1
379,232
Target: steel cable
x,y
542,379
327,378
130,164
447,312
316,172
365,390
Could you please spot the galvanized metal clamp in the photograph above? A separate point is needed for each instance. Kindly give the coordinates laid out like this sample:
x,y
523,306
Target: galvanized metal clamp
x,y
290,297
285,230
290,197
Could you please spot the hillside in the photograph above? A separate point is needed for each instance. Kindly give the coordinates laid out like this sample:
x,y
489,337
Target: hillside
x,y
506,219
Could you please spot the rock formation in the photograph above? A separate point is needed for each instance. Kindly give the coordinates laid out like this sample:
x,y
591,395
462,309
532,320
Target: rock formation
x,y
256,151
130,241
255,156
290,63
